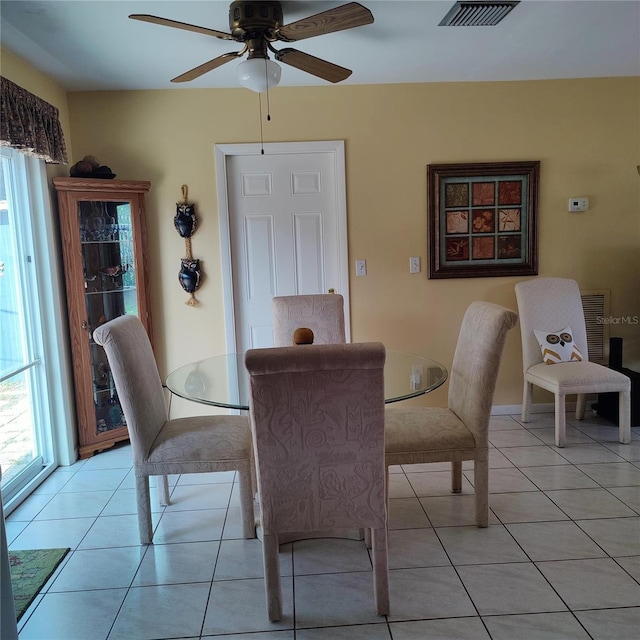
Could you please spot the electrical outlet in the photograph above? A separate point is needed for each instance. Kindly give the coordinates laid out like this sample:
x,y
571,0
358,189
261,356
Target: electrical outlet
x,y
361,267
414,264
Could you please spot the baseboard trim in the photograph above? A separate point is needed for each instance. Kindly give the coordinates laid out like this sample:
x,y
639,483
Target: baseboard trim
x,y
516,409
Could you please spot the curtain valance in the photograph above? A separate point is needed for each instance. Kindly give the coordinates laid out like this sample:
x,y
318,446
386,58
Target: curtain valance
x,y
30,125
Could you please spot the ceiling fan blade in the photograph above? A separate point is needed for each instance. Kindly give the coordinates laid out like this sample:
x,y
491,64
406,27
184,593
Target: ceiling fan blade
x,y
143,17
206,67
347,16
314,66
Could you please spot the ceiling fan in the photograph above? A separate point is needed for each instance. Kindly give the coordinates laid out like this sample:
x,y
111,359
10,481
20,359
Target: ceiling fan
x,y
256,25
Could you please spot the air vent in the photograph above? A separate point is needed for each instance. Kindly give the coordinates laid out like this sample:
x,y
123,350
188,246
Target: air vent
x,y
470,13
595,304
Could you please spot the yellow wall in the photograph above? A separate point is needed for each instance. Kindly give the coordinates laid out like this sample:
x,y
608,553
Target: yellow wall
x,y
586,134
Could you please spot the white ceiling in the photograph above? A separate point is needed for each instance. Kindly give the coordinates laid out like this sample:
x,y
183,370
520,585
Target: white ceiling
x,y
93,45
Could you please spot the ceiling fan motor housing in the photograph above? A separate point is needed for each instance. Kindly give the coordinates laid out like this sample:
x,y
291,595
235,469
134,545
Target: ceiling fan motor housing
x,y
250,19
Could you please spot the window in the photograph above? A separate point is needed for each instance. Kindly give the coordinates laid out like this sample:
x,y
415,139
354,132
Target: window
x,y
34,419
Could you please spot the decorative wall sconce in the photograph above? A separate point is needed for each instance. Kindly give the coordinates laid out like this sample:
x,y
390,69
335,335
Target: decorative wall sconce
x,y
185,223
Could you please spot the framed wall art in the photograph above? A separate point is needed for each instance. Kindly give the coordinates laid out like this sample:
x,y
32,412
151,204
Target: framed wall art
x,y
483,219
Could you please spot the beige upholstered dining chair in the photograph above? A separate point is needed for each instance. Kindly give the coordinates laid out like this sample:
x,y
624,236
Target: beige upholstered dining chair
x,y
317,418
323,313
552,306
460,431
160,445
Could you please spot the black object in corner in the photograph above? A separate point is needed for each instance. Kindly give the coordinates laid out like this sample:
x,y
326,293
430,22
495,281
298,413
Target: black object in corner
x,y
607,406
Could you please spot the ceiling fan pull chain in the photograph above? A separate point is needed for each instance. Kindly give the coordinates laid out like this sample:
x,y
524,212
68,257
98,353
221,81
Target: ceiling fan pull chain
x,y
268,108
266,82
261,134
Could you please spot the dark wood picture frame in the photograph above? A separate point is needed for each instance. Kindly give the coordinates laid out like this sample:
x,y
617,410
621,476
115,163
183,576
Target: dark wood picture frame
x,y
482,219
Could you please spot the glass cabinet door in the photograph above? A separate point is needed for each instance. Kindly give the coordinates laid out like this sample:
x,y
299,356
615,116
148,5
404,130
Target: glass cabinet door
x,y
106,238
103,231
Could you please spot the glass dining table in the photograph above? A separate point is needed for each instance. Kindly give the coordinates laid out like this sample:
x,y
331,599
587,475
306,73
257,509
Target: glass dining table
x,y
223,380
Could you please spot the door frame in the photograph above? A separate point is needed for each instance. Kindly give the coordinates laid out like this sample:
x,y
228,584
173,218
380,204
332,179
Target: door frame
x,y
222,152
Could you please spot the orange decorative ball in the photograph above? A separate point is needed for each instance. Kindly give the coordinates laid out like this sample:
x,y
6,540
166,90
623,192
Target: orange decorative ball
x,y
303,335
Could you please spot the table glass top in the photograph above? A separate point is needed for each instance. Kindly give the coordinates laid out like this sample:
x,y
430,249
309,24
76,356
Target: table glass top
x,y
223,381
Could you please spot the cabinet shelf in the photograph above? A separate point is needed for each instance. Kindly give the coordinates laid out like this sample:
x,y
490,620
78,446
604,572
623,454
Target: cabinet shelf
x,y
103,228
83,242
120,290
110,390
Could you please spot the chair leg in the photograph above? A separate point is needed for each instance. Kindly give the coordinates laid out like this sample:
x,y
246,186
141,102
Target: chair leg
x,y
163,490
481,482
246,502
561,421
386,486
144,509
581,405
526,401
624,416
381,570
368,533
273,590
456,476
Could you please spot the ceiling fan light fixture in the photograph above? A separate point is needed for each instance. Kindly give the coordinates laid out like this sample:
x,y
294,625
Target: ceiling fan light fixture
x,y
259,74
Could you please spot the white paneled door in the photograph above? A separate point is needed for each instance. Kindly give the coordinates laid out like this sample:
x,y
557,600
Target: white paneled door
x,y
283,221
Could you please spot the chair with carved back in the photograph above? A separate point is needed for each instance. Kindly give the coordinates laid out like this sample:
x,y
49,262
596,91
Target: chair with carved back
x,y
317,419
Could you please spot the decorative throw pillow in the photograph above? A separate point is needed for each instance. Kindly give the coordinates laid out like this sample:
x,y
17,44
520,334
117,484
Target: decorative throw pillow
x,y
558,346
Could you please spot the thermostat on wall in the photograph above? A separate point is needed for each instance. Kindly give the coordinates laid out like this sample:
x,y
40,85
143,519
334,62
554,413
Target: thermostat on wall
x,y
578,204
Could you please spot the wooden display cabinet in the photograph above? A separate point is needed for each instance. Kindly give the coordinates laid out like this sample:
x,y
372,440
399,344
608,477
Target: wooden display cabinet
x,y
102,223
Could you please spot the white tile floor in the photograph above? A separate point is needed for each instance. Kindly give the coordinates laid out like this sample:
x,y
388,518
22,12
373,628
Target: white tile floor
x,y
560,559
